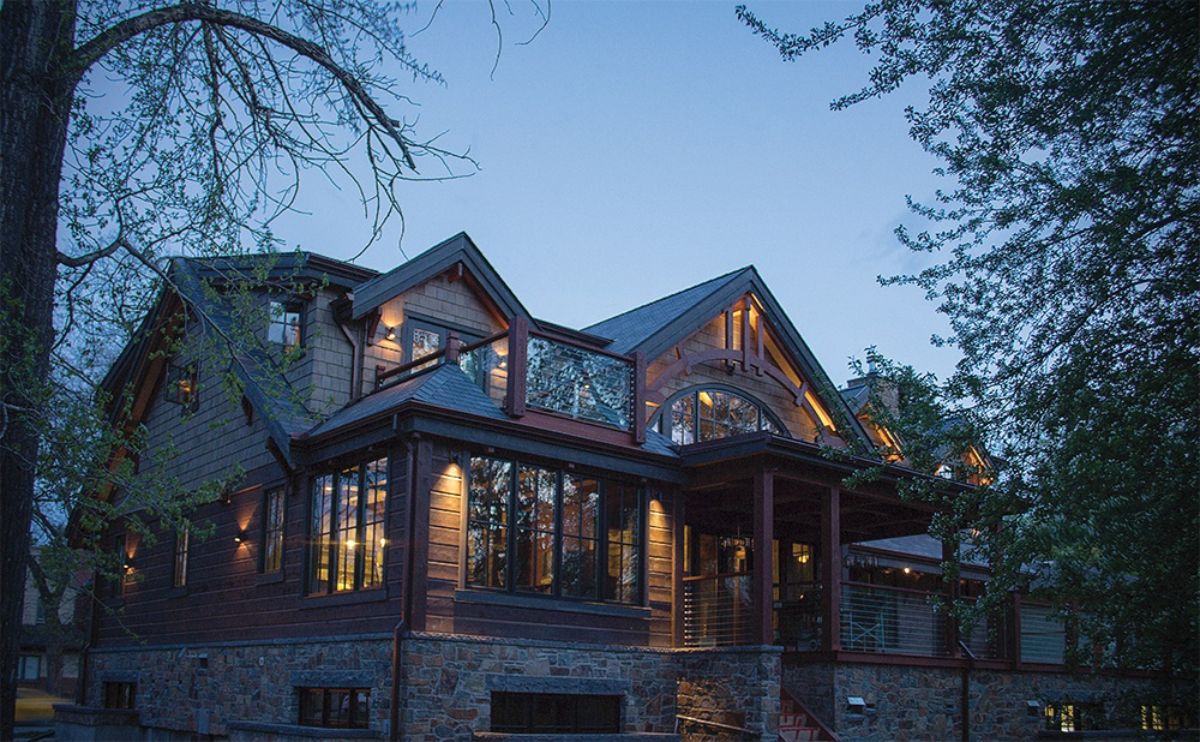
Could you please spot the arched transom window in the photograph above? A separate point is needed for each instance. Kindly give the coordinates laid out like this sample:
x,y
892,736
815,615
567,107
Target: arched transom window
x,y
708,413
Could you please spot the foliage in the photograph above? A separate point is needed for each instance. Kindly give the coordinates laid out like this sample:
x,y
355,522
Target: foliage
x,y
1066,255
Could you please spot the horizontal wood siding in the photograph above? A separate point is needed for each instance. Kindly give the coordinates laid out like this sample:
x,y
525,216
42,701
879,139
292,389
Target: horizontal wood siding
x,y
228,599
446,615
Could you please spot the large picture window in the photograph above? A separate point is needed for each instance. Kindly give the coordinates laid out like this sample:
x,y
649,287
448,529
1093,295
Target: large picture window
x,y
536,530
707,414
348,528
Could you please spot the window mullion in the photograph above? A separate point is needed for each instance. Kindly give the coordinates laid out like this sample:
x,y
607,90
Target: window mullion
x,y
601,566
334,530
360,550
510,534
556,588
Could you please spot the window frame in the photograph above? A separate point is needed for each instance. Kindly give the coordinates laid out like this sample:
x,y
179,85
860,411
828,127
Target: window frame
x,y
180,562
599,593
663,419
326,692
273,533
173,391
290,306
329,585
413,322
119,694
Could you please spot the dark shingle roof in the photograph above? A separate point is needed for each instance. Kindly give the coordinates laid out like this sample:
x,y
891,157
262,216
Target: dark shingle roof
x,y
856,397
630,328
443,386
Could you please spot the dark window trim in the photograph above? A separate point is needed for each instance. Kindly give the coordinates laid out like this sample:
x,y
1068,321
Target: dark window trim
x,y
265,530
176,373
642,493
179,576
359,464
326,692
290,305
119,694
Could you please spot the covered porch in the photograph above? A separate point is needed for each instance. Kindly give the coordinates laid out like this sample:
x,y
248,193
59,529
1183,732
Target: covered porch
x,y
821,585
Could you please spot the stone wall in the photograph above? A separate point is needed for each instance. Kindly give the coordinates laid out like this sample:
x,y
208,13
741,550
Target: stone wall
x,y
909,703
447,683
200,688
449,680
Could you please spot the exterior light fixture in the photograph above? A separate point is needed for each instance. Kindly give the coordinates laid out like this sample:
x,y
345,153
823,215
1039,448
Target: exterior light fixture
x,y
127,565
856,704
1034,708
391,333
908,570
240,537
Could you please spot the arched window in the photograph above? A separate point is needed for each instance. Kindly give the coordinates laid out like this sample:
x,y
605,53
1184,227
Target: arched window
x,y
711,412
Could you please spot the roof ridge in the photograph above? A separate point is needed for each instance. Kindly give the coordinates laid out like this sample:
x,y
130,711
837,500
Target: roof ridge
x,y
652,302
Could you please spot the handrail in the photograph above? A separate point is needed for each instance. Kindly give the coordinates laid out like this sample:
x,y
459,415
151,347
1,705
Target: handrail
x,y
397,370
480,343
829,733
715,724
575,343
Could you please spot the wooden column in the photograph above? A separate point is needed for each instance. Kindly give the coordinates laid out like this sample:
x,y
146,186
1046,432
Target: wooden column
x,y
831,570
762,580
518,347
950,592
422,483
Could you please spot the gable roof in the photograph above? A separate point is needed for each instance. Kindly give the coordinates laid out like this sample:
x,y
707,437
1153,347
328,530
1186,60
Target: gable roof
x,y
630,329
653,328
372,294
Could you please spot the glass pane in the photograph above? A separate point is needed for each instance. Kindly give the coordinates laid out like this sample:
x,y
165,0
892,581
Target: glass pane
x,y
373,528
322,529
487,512
743,415
578,567
683,420
424,342
486,558
535,529
347,531
577,382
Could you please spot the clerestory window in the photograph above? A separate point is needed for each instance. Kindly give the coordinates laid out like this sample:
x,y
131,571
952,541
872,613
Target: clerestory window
x,y
709,413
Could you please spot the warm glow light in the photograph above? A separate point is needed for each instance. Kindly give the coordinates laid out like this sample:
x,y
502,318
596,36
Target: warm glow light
x,y
351,543
826,420
907,571
706,399
391,333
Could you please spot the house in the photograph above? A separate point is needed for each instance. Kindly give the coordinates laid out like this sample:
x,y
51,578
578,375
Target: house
x,y
51,639
457,520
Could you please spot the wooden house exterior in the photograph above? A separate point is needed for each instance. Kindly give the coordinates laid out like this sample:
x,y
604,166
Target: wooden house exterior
x,y
458,520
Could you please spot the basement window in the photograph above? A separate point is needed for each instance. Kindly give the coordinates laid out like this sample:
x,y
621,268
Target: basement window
x,y
119,694
555,713
340,708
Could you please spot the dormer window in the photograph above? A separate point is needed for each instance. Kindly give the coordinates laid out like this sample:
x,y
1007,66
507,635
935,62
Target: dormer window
x,y
182,386
286,323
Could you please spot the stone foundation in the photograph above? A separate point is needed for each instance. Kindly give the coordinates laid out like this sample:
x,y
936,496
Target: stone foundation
x,y
246,690
911,703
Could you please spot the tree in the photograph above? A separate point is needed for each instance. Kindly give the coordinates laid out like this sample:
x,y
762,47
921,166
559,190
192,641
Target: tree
x,y
137,130
1066,256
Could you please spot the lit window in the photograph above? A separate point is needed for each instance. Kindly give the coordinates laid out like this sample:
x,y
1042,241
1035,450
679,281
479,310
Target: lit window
x,y
182,386
593,528
182,537
347,528
273,509
425,342
710,414
286,324
342,708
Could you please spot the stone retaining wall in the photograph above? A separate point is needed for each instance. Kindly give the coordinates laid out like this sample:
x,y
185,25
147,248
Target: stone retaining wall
x,y
910,703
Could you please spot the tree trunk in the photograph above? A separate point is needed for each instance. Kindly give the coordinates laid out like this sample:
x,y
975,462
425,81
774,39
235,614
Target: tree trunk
x,y
36,39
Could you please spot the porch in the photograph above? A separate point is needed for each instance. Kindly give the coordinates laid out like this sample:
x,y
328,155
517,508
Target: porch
x,y
832,589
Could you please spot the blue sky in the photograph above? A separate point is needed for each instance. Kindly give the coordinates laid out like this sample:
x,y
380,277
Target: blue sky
x,y
634,149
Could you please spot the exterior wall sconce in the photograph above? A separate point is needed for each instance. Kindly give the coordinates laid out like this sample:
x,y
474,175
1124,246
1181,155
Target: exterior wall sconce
x,y
1034,708
127,565
856,704
391,333
240,538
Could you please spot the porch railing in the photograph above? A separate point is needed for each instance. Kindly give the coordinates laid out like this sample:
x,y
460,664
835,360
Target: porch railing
x,y
717,610
891,620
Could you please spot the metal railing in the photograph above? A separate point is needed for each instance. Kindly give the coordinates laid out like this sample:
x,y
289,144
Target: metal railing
x,y
1043,635
891,620
717,610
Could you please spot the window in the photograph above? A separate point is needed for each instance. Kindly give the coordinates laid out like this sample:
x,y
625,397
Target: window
x,y
555,713
1074,717
1160,718
699,415
182,386
424,342
343,708
286,324
30,667
182,537
119,695
348,528
568,535
273,510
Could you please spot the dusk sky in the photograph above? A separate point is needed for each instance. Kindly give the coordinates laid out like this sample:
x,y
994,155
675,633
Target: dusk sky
x,y
632,150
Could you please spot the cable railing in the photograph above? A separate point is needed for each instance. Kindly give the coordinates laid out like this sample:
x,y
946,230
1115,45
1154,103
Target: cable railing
x,y
1043,635
717,610
891,620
